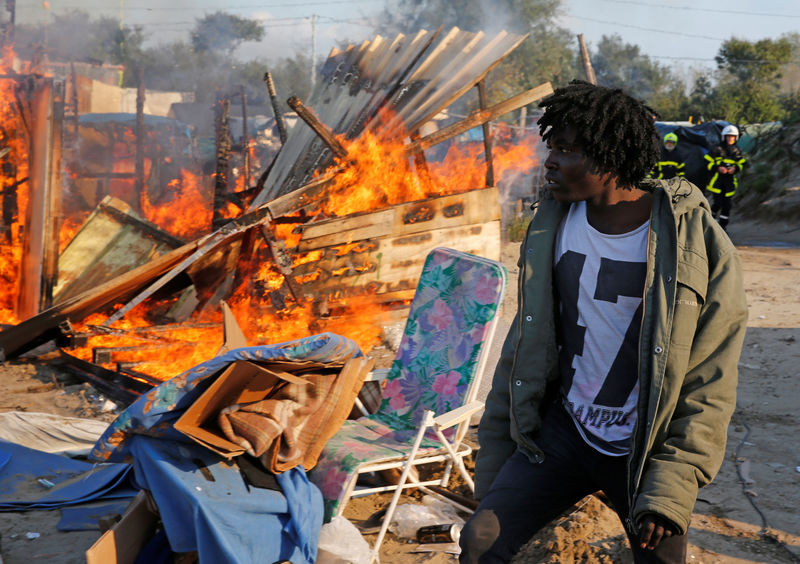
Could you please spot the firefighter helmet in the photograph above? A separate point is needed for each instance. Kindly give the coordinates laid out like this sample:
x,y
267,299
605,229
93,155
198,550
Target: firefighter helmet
x,y
670,137
730,130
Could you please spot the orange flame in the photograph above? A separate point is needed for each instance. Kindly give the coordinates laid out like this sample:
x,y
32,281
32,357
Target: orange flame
x,y
13,171
184,209
268,307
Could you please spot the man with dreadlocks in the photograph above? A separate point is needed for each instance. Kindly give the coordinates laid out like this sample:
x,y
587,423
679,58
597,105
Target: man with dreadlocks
x,y
619,372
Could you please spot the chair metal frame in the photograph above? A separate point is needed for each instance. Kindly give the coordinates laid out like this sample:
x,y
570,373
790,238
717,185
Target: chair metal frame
x,y
452,452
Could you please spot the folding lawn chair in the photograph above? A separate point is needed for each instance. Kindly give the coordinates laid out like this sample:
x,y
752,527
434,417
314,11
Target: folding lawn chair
x,y
430,389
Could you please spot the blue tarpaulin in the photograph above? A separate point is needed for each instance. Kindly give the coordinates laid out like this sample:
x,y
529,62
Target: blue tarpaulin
x,y
31,479
87,517
206,505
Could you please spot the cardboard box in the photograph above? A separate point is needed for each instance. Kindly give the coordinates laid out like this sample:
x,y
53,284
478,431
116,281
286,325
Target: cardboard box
x,y
123,542
242,382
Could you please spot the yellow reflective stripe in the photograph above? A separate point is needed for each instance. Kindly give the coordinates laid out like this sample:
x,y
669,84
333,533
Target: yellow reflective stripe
x,y
710,186
729,194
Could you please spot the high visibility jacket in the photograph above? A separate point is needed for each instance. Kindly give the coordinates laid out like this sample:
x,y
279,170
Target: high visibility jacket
x,y
670,165
724,155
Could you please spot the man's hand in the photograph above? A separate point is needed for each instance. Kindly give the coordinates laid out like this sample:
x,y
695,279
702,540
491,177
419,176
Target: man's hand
x,y
653,528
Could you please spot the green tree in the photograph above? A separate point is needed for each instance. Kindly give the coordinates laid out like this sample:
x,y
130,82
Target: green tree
x,y
622,65
761,61
748,91
75,36
221,32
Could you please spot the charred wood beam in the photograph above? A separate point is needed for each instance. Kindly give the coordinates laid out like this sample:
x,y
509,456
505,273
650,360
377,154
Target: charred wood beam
x,y
75,105
245,138
166,328
140,133
479,117
323,131
487,136
121,388
283,261
223,142
273,98
107,175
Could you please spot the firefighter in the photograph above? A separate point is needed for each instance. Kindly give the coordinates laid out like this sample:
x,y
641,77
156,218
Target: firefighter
x,y
725,161
670,164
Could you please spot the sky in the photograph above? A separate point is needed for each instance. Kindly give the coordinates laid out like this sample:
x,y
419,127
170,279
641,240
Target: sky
x,y
687,33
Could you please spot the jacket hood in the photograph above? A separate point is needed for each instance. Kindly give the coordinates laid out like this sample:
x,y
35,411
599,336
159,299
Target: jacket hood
x,y
683,195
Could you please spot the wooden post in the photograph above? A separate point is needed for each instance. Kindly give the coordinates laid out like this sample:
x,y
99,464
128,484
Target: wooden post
x,y
53,215
74,102
35,235
481,116
223,136
140,133
273,98
487,135
587,63
245,139
322,130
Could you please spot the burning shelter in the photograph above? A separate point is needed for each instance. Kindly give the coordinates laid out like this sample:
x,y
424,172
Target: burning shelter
x,y
329,237
334,229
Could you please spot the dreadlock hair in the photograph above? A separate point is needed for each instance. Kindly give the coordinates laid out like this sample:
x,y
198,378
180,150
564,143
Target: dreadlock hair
x,y
617,132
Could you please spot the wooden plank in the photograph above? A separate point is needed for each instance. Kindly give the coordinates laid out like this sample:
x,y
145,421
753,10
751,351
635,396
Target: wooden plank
x,y
302,197
479,117
394,263
323,131
473,207
351,228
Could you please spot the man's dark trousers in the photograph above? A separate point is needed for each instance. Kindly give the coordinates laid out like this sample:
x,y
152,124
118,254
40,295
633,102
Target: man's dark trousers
x,y
525,496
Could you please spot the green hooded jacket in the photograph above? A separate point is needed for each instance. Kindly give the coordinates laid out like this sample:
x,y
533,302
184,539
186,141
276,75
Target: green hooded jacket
x,y
693,326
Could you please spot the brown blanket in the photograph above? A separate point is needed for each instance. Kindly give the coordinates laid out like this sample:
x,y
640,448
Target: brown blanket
x,y
292,425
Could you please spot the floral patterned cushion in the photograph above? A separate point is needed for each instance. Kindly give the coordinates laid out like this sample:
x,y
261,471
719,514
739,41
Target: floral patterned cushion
x,y
454,308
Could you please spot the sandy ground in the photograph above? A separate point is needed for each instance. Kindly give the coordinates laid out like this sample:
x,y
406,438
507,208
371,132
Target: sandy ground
x,y
748,514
